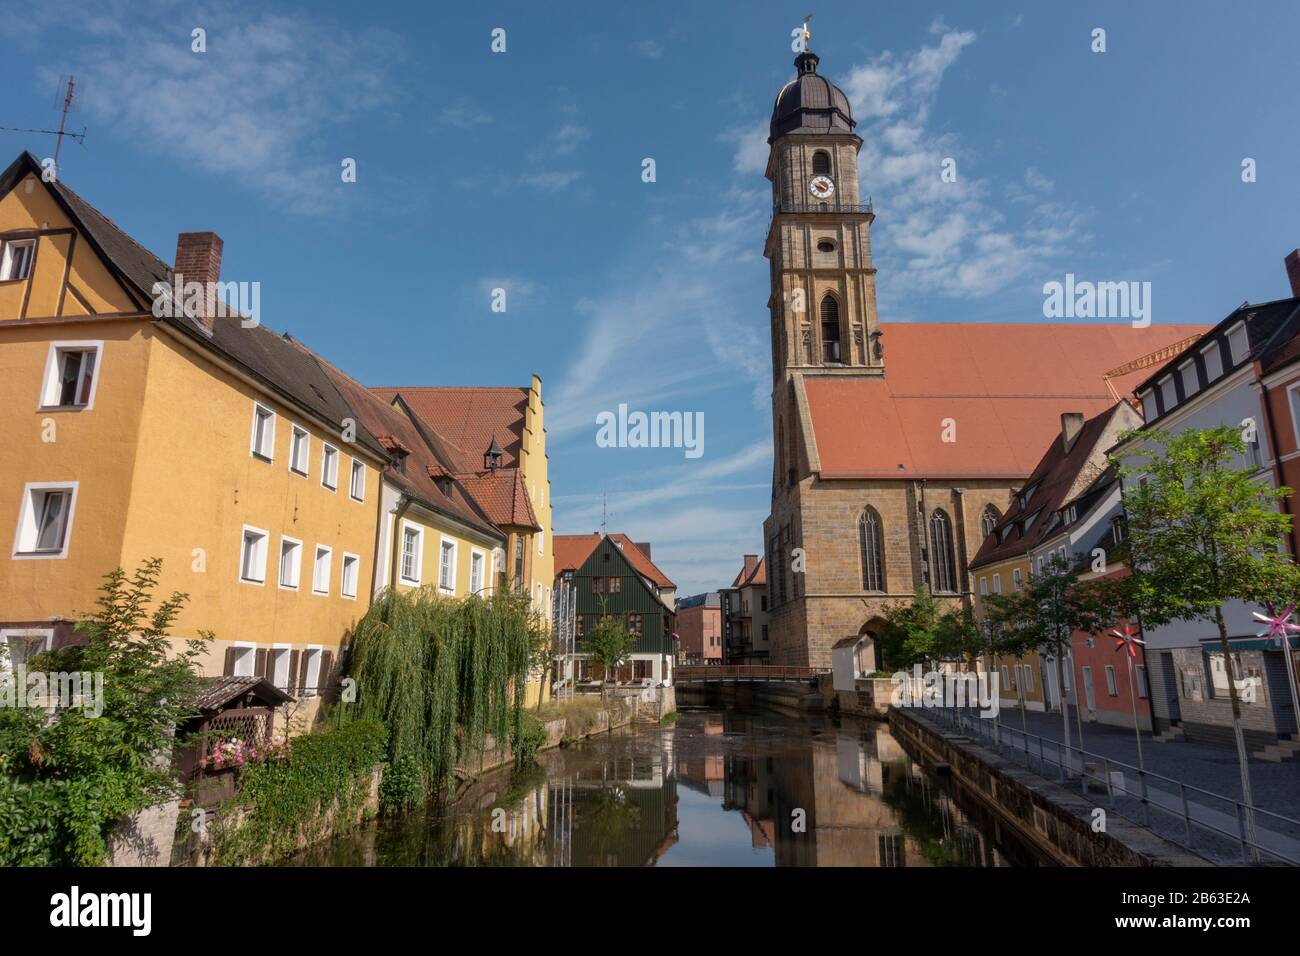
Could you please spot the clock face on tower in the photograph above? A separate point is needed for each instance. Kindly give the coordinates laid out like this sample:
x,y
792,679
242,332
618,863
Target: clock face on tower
x,y
821,187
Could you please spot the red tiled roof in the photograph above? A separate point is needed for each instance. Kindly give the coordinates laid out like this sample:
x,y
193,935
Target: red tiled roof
x,y
757,575
397,432
572,551
1049,485
1004,386
503,497
469,417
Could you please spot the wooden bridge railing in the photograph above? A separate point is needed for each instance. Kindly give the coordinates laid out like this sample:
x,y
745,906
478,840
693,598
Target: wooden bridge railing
x,y
694,673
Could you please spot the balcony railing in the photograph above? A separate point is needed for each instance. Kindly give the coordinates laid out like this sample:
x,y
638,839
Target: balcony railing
x,y
831,206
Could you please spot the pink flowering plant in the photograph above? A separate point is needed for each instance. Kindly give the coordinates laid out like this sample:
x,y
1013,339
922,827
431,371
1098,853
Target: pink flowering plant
x,y
235,752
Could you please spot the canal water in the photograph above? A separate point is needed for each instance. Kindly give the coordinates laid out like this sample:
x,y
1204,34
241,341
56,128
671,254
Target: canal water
x,y
717,788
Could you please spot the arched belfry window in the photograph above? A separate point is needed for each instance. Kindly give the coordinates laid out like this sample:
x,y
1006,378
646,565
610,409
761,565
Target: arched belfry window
x,y
989,520
830,329
943,562
871,547
821,163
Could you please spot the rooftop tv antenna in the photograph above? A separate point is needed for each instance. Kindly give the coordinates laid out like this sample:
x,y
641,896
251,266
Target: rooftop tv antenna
x,y
69,86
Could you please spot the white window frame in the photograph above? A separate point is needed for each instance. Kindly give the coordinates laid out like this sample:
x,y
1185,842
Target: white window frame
x,y
313,658
1168,393
266,547
1143,688
1112,688
253,449
419,554
329,569
354,561
53,383
443,541
7,260
1028,676
997,584
278,652
294,431
1212,356
541,541
479,585
1015,578
1149,410
1191,385
297,564
984,586
352,480
27,532
1233,357
7,636
325,476
252,658
1293,406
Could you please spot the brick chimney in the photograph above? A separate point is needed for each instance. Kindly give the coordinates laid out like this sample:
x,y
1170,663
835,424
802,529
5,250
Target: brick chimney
x,y
1071,425
643,547
198,259
1293,271
751,562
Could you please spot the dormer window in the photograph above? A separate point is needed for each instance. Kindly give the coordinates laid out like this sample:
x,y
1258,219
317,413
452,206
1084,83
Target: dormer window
x,y
1238,344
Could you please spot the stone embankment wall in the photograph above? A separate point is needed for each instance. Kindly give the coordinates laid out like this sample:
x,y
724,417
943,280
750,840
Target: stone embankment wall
x,y
1056,821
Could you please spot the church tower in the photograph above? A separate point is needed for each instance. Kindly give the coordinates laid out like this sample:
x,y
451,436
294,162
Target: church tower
x,y
823,302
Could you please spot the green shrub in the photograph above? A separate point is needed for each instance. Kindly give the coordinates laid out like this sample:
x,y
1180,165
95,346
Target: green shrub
x,y
529,741
286,803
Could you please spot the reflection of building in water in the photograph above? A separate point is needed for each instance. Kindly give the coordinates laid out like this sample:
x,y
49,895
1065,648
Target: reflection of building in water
x,y
621,811
859,803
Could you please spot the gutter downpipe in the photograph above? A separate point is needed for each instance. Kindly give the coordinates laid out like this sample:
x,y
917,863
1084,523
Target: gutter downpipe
x,y
402,507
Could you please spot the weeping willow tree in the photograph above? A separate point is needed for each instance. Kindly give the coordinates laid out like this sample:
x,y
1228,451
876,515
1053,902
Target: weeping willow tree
x,y
441,673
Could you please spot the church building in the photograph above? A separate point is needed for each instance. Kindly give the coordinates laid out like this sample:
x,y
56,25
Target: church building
x,y
896,446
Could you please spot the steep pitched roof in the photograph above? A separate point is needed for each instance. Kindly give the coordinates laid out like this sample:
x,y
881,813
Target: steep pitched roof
x,y
1003,385
275,361
471,418
1271,329
503,497
573,550
757,575
397,433
1048,487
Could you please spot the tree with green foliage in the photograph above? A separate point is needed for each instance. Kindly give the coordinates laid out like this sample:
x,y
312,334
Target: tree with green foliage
x,y
923,630
1201,531
610,644
909,634
1043,615
68,778
440,674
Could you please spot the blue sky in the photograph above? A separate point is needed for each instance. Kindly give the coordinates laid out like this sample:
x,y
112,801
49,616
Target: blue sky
x,y
522,170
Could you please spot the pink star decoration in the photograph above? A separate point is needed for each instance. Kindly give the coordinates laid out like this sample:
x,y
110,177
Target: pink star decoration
x,y
1127,638
1278,624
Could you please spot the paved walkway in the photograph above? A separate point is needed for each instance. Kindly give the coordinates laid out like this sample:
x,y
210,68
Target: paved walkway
x,y
1274,786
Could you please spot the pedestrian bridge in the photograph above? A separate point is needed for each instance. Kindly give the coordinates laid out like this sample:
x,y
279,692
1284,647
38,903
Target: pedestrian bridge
x,y
690,674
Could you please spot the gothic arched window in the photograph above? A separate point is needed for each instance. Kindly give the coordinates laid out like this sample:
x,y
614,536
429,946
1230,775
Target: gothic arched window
x,y
830,329
943,563
989,520
871,547
821,163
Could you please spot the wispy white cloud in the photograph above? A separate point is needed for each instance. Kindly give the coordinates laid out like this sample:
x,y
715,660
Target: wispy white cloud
x,y
251,107
463,115
650,49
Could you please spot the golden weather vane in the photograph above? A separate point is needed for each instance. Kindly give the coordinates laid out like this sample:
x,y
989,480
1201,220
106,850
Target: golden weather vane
x,y
806,34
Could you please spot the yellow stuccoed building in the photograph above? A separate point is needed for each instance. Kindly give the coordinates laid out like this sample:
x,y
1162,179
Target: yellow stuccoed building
x,y
219,448
231,452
